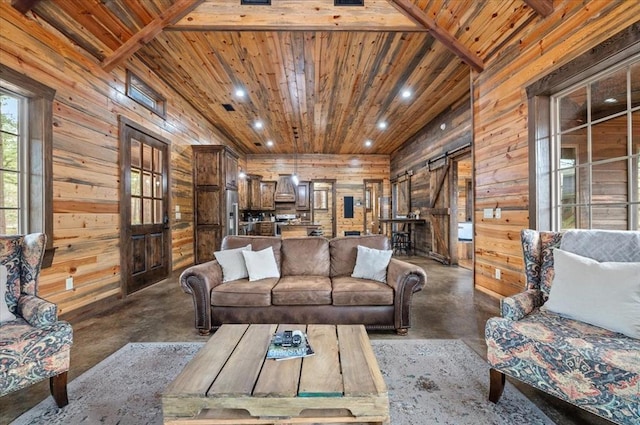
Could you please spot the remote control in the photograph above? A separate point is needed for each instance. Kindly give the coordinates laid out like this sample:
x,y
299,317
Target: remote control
x,y
287,339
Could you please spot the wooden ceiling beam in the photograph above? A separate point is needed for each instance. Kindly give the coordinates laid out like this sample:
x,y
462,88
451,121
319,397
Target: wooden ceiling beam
x,y
23,6
173,14
417,15
543,8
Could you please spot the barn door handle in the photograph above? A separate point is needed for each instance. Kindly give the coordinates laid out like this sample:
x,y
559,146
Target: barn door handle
x,y
166,221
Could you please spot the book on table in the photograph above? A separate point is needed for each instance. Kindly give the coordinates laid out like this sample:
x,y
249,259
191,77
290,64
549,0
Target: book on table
x,y
289,345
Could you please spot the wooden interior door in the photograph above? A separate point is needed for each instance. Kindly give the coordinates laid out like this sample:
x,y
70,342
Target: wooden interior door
x,y
440,213
144,215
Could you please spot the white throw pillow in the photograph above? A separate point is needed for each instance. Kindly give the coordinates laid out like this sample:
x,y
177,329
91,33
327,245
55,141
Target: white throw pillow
x,y
261,264
603,294
5,314
232,263
372,264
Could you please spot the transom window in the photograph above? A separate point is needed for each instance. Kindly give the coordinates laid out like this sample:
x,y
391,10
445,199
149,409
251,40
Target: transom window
x,y
13,164
595,155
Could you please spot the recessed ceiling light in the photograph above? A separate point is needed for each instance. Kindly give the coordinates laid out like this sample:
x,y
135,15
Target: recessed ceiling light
x,y
406,93
610,100
368,143
443,126
382,125
269,143
258,125
240,93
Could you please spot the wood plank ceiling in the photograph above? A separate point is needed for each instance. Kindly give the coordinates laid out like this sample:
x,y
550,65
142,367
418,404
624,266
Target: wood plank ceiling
x,y
326,74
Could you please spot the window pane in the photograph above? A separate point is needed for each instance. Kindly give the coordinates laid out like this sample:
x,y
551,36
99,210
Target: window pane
x,y
609,182
147,211
9,188
158,211
635,84
135,183
635,132
136,211
609,95
135,153
574,148
9,151
574,217
9,222
157,186
609,139
146,157
573,109
9,110
610,217
157,160
568,186
146,185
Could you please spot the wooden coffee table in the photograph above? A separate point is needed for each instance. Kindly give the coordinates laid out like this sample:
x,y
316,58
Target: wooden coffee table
x,y
229,381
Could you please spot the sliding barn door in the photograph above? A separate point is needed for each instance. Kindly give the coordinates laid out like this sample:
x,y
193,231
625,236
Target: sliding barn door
x,y
440,212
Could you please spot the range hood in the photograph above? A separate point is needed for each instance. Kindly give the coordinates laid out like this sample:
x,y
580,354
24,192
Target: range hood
x,y
285,191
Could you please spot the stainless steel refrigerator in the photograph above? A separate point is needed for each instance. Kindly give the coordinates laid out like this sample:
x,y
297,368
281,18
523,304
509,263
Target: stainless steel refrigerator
x,y
232,213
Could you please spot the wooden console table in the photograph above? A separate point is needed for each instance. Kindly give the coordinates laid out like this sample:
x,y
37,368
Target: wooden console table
x,y
231,381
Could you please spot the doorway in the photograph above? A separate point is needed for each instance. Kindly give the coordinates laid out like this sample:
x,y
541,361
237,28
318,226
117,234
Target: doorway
x,y
464,216
145,234
323,208
372,206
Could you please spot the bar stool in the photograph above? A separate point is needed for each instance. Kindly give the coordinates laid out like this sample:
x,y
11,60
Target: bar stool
x,y
400,242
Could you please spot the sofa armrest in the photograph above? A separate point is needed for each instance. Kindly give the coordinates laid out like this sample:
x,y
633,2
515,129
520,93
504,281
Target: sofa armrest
x,y
405,279
37,312
198,281
520,305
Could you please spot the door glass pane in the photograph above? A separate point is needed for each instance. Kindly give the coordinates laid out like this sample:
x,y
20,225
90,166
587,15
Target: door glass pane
x,y
573,109
609,139
146,185
635,84
136,211
10,110
9,222
11,196
157,186
147,211
635,133
569,217
9,151
135,183
568,186
157,160
574,149
609,217
609,95
158,211
609,182
146,157
135,153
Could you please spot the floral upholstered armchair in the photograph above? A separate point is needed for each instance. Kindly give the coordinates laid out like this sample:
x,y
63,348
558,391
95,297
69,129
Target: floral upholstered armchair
x,y
34,345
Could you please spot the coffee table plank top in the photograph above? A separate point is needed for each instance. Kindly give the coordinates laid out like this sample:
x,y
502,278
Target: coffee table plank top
x,y
248,357
280,378
356,363
196,377
321,375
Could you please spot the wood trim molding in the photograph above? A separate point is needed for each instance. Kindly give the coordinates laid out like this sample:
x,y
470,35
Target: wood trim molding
x,y
417,15
543,8
170,16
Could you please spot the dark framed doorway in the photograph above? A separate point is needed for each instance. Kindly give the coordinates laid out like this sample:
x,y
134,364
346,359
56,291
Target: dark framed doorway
x,y
145,234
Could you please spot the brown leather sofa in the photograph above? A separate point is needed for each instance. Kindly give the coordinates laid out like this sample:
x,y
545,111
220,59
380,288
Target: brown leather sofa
x,y
315,286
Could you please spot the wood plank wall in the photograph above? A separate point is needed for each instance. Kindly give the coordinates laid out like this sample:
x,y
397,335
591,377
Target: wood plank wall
x,y
349,171
501,132
430,143
86,107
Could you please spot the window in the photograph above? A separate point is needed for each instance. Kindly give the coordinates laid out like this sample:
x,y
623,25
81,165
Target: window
x,y
142,93
595,151
26,166
13,163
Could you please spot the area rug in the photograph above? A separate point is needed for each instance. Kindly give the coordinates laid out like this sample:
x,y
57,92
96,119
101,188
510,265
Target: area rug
x,y
429,381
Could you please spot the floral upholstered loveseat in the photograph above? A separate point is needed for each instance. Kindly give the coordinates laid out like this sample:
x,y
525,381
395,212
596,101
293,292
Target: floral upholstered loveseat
x,y
589,366
34,345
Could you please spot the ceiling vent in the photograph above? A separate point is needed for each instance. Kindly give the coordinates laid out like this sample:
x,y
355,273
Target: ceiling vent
x,y
228,107
255,2
348,3
257,143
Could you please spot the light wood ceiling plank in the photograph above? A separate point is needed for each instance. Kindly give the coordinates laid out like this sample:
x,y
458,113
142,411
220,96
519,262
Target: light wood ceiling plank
x,y
441,35
150,31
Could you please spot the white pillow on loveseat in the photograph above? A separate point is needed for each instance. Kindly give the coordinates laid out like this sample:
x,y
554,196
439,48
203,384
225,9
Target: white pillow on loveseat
x,y
232,263
603,294
261,264
372,264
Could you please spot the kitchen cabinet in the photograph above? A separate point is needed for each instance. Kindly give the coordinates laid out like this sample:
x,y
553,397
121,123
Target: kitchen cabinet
x,y
243,193
265,228
302,196
249,192
215,170
267,193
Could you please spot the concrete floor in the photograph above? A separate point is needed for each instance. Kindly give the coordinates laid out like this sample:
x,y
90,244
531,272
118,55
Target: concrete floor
x,y
448,307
